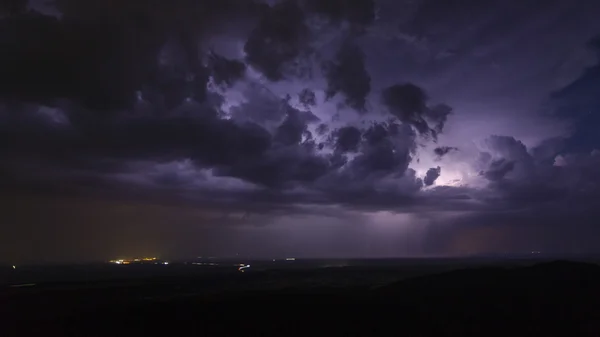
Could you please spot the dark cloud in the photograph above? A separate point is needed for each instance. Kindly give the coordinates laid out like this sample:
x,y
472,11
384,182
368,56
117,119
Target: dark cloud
x,y
483,160
511,155
348,139
357,12
521,181
509,162
281,167
376,133
208,139
11,7
546,152
443,150
112,100
578,102
261,107
280,36
347,75
82,61
197,17
432,175
101,54
280,45
307,98
594,43
438,115
498,169
322,129
409,103
558,200
225,71
508,147
388,149
294,126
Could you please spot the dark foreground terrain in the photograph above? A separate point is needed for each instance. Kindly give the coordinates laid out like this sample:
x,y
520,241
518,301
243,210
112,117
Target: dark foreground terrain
x,y
416,299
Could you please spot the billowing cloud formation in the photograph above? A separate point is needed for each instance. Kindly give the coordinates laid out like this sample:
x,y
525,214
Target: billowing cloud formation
x,y
102,96
267,107
408,103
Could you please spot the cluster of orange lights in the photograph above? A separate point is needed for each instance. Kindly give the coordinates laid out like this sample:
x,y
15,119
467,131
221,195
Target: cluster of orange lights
x,y
139,260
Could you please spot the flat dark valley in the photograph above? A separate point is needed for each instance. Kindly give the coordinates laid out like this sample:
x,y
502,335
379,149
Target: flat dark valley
x,y
384,298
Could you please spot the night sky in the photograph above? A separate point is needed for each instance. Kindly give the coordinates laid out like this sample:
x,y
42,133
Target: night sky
x,y
305,128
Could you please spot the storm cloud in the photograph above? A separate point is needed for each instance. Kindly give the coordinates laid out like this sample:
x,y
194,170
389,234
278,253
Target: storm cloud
x,y
281,108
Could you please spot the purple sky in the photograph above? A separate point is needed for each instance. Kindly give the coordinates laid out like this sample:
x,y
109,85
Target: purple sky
x,y
299,128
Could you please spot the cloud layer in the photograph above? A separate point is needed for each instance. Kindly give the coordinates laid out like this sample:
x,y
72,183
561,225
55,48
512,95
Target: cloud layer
x,y
249,106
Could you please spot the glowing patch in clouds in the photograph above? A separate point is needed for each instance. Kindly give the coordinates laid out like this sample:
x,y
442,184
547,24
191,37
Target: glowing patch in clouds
x,y
449,178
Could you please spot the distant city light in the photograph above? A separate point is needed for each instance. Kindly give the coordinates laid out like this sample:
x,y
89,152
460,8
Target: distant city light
x,y
290,259
135,260
14,267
